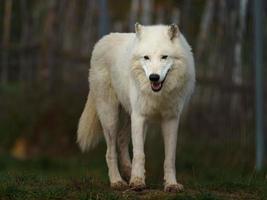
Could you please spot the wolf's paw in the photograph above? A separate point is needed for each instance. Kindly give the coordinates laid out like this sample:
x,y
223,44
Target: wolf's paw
x,y
174,188
119,185
126,172
137,184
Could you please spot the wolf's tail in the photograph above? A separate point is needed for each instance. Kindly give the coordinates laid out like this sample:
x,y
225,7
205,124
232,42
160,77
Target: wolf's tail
x,y
89,128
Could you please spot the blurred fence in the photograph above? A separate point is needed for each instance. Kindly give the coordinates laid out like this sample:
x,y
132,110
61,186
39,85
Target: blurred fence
x,y
48,43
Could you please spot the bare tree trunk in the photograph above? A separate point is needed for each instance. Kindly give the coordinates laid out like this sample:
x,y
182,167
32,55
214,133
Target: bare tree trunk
x,y
48,45
147,7
56,70
37,29
237,68
6,39
103,18
133,14
204,27
175,18
24,39
237,71
159,15
186,15
207,16
217,52
87,33
69,24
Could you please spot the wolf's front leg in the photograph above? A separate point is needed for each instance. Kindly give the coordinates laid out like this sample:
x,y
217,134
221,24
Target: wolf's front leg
x,y
170,130
137,180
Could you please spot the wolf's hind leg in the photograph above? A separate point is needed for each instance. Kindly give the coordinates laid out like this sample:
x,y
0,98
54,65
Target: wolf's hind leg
x,y
108,114
123,146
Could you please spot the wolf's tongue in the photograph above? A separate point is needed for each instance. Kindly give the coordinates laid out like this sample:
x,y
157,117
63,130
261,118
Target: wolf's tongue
x,y
156,85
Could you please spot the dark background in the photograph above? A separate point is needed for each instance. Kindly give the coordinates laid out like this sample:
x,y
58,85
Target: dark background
x,y
45,49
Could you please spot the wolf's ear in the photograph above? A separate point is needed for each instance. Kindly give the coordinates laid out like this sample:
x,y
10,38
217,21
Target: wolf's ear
x,y
138,29
173,31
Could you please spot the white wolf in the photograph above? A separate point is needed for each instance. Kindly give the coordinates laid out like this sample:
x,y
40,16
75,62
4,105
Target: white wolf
x,y
145,76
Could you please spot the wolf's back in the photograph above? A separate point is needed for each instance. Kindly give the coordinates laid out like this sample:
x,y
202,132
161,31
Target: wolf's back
x,y
106,52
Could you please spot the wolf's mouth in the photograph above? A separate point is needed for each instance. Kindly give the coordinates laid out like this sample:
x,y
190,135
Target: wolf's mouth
x,y
156,86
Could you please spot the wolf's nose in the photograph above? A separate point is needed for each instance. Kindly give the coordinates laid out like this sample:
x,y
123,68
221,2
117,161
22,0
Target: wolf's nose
x,y
154,77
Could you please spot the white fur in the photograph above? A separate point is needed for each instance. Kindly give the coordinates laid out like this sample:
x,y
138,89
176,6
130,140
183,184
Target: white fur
x,y
119,78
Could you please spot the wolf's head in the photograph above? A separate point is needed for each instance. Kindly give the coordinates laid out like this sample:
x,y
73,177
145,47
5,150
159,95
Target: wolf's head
x,y
162,59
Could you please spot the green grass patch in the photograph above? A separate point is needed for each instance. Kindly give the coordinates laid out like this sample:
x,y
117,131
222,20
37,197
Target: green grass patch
x,y
85,177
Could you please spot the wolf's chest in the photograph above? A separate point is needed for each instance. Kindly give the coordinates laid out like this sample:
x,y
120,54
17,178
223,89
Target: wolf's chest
x,y
157,107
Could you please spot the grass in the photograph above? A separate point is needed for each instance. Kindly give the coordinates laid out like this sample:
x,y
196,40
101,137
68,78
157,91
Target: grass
x,y
206,175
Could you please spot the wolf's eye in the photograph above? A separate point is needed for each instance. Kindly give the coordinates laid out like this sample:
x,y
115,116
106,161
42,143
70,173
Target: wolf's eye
x,y
164,57
146,57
